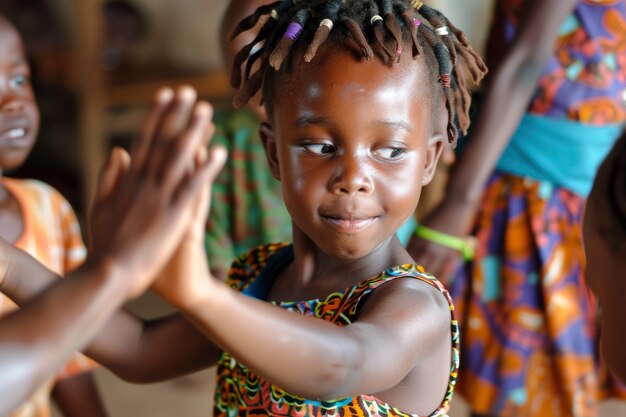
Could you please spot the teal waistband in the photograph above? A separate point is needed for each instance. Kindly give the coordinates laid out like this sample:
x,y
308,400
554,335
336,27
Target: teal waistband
x,y
560,151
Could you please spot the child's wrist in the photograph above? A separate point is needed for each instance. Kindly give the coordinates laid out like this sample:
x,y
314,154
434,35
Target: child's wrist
x,y
203,295
465,245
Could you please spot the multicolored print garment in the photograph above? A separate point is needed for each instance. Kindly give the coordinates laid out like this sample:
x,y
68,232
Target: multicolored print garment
x,y
240,392
51,234
527,317
585,79
530,339
247,208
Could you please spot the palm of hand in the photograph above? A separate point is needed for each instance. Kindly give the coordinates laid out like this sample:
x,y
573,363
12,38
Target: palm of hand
x,y
187,271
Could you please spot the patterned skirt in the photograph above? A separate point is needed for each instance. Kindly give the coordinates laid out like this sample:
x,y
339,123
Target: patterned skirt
x,y
528,321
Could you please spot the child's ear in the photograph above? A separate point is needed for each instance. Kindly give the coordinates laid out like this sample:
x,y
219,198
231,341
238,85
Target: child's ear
x,y
434,150
271,152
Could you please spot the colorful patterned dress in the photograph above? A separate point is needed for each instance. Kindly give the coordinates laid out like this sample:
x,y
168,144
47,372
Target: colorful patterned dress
x,y
52,235
247,208
240,392
527,318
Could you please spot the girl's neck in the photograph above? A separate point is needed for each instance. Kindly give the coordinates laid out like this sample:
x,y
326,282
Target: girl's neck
x,y
311,263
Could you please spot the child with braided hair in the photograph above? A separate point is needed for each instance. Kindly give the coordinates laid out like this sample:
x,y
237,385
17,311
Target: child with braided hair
x,y
342,321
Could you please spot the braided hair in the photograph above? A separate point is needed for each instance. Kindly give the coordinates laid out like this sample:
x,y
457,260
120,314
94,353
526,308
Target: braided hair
x,y
392,27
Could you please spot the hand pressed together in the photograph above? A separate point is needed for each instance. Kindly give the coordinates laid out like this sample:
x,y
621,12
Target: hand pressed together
x,y
187,274
146,200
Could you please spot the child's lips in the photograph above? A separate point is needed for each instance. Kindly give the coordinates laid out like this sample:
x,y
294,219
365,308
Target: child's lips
x,y
350,223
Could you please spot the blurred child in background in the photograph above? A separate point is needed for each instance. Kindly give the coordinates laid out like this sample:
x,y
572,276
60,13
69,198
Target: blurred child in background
x,y
37,219
247,207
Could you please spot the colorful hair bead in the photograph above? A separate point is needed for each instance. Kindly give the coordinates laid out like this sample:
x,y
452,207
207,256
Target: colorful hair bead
x,y
417,5
293,31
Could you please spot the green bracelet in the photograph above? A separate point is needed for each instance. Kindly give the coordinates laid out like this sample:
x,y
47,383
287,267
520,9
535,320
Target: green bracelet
x,y
467,246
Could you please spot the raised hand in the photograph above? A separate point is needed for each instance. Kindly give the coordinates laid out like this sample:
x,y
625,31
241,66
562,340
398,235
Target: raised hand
x,y
145,201
181,279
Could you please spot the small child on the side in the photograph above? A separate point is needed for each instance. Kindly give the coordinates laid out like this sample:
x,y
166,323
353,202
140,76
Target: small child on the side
x,y
604,230
37,219
341,322
247,207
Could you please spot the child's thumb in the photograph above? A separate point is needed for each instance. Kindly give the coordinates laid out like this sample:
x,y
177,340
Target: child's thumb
x,y
216,159
111,173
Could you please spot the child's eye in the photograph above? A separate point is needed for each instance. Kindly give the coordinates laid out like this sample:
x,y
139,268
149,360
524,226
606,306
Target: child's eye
x,y
19,80
319,148
389,153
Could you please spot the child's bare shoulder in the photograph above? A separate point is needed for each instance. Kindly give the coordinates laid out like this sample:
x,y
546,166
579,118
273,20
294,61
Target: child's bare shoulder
x,y
413,294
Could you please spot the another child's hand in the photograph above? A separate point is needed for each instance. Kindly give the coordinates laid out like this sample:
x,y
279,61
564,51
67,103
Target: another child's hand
x,y
449,218
187,274
145,201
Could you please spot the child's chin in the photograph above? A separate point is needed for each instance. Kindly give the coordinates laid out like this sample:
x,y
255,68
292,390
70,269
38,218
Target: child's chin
x,y
351,251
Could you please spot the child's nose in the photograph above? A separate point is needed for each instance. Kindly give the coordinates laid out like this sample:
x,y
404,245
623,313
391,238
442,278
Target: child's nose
x,y
352,176
10,104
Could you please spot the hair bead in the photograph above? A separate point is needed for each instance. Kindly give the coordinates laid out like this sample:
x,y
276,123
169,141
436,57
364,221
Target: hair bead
x,y
293,31
445,80
375,18
442,31
328,23
417,5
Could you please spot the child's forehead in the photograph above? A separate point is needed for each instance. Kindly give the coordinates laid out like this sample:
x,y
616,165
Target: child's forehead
x,y
11,43
338,68
348,92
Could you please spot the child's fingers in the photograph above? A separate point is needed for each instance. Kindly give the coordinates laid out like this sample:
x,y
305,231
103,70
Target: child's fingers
x,y
177,118
201,155
182,154
172,125
142,144
111,173
216,159
203,177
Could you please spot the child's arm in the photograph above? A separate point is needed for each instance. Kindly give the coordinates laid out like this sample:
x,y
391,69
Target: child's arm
x,y
78,396
135,350
402,324
508,94
145,205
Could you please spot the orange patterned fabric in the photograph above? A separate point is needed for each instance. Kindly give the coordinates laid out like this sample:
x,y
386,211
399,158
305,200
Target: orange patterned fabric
x,y
528,320
52,235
